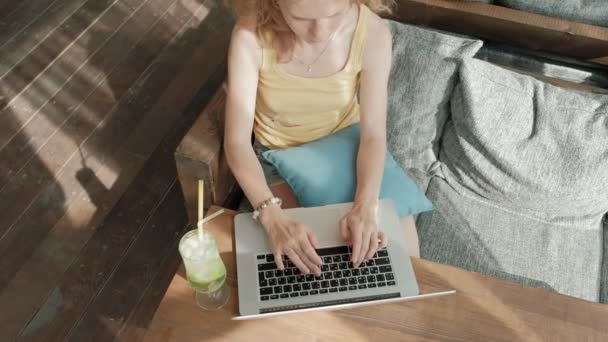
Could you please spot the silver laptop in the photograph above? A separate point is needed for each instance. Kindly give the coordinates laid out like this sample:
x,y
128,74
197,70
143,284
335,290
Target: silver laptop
x,y
265,291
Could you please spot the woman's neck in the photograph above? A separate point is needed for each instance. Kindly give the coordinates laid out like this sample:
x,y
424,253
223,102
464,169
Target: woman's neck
x,y
302,44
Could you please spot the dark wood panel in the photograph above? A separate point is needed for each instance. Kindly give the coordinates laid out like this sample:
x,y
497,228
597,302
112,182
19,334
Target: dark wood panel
x,y
8,7
16,16
41,82
45,70
50,113
133,325
36,277
139,319
505,25
51,212
17,48
80,284
23,73
86,276
99,148
182,84
108,312
114,121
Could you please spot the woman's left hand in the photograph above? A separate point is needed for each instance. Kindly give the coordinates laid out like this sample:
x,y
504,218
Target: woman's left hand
x,y
359,228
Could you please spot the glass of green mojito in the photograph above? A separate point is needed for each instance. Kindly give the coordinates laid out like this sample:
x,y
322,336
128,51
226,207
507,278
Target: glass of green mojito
x,y
205,270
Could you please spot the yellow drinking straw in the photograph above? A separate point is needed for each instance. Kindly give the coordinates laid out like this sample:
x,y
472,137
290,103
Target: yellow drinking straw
x,y
199,224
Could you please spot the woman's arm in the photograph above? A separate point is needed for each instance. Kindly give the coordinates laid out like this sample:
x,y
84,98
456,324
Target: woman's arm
x,y
286,236
361,222
244,60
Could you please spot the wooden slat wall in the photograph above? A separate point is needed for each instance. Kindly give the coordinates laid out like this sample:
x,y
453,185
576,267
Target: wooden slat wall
x,y
143,259
88,90
40,204
505,25
20,16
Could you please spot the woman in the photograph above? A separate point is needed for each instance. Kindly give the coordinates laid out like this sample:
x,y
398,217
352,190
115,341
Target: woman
x,y
294,70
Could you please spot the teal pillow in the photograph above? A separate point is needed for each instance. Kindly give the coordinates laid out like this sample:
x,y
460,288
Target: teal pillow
x,y
323,172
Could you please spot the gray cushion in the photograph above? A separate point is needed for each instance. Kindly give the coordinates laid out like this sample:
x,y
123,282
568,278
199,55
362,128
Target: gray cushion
x,y
468,231
524,168
594,12
604,272
422,77
521,141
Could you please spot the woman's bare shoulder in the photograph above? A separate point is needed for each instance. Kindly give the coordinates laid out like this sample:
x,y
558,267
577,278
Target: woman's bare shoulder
x,y
378,27
377,49
245,34
245,44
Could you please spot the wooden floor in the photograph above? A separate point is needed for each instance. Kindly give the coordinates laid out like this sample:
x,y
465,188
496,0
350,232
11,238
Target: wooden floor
x,y
94,97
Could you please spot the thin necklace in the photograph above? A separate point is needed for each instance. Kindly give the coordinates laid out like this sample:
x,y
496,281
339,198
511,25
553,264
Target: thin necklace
x,y
309,65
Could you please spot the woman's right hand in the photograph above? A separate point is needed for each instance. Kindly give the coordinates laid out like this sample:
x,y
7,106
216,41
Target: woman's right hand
x,y
290,238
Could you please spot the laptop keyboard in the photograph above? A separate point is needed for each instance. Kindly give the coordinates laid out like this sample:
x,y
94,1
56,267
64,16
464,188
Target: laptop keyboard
x,y
337,275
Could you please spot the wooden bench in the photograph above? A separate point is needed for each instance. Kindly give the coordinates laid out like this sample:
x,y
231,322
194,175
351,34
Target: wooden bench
x,y
200,154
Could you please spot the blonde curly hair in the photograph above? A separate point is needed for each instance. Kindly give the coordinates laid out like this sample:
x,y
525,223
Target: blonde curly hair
x,y
266,16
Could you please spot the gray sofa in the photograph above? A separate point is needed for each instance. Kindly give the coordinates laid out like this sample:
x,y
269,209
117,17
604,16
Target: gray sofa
x,y
517,169
514,196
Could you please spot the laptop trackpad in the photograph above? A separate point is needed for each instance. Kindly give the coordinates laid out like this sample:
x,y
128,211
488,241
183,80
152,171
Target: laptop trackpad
x,y
324,224
323,221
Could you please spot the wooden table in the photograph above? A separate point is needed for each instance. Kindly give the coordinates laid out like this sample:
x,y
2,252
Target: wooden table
x,y
483,309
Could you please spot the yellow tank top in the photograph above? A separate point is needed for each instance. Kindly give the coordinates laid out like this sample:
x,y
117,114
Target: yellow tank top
x,y
291,110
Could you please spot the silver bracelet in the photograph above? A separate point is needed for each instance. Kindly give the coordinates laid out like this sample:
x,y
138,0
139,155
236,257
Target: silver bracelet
x,y
264,205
